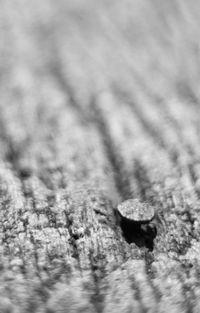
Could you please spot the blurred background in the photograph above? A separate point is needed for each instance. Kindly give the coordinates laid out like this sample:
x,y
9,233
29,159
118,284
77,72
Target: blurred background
x,y
134,45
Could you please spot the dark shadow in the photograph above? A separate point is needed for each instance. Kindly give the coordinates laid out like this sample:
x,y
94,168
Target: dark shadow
x,y
141,233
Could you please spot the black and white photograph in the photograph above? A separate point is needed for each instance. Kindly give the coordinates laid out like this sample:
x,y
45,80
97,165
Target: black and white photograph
x,y
99,156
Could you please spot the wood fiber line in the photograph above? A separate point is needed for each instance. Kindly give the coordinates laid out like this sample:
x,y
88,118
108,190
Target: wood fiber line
x,y
66,213
117,166
169,136
114,24
151,97
95,117
156,187
187,122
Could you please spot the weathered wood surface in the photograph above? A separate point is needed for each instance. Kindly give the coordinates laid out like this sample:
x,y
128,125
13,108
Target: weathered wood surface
x,y
99,102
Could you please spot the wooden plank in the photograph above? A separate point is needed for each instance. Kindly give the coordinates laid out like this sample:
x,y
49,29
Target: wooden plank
x,y
88,120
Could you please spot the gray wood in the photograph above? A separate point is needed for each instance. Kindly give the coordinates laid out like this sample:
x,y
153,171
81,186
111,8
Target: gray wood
x,y
99,103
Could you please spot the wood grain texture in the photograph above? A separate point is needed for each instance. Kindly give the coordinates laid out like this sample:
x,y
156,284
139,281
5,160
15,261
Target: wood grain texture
x,y
99,104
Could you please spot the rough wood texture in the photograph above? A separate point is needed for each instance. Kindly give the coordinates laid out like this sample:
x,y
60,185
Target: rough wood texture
x,y
99,103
